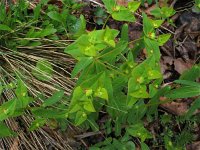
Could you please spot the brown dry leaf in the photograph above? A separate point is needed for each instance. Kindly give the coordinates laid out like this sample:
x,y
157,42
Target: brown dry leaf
x,y
175,108
181,66
122,2
194,146
167,60
165,64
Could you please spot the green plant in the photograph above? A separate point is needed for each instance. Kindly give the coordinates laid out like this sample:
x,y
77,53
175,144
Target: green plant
x,y
109,80
109,77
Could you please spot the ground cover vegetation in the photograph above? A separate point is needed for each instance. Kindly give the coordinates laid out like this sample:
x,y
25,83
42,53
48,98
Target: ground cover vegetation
x,y
62,72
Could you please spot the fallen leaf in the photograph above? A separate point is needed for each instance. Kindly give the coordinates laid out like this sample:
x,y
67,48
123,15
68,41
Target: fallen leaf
x,y
174,107
193,146
181,66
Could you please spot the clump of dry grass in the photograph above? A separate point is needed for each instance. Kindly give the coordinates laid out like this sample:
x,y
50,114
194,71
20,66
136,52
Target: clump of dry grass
x,y
19,64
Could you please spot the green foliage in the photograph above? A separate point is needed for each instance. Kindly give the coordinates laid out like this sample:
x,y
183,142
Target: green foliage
x,y
5,131
122,13
109,79
43,70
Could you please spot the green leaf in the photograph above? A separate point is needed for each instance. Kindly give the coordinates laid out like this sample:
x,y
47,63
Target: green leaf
x,y
55,16
36,11
167,12
124,33
5,27
141,92
193,108
154,101
73,49
152,48
156,23
101,93
168,143
147,25
77,95
164,12
163,38
80,118
154,74
118,127
156,12
37,123
79,27
88,105
183,92
5,131
138,130
191,74
43,70
22,94
110,35
89,49
54,98
7,109
109,4
133,6
110,54
75,108
47,31
49,113
3,12
123,15
130,145
82,64
189,83
144,146
21,89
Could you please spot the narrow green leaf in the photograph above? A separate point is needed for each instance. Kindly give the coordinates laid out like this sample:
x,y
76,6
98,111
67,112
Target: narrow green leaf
x,y
49,113
191,74
147,25
183,92
55,16
189,83
5,131
82,64
124,33
54,98
5,27
80,118
43,70
37,11
193,108
47,31
112,53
